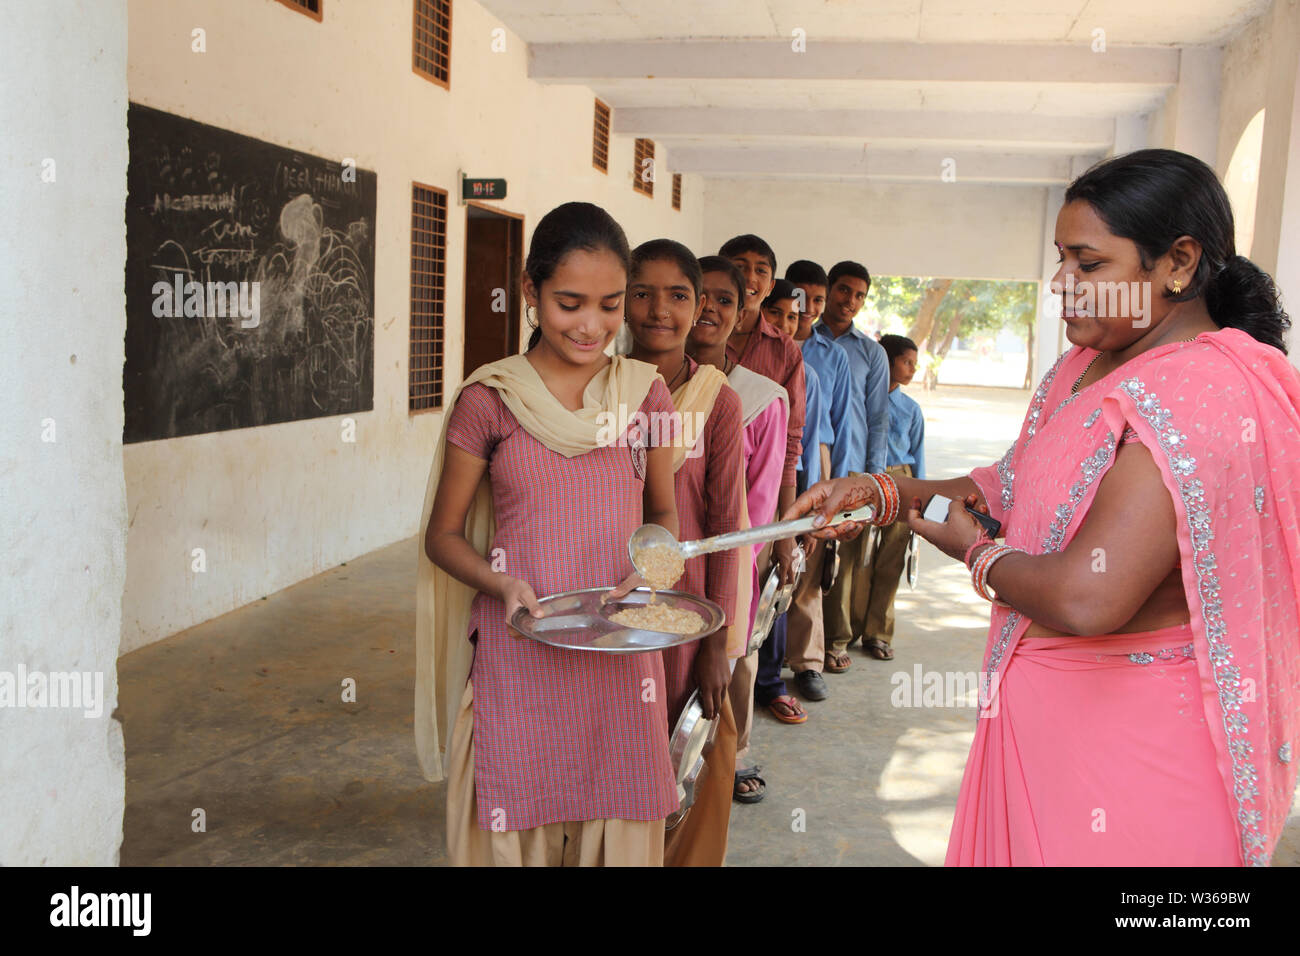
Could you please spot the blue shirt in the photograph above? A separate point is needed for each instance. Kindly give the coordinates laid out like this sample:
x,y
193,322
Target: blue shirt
x,y
816,431
906,432
869,380
832,366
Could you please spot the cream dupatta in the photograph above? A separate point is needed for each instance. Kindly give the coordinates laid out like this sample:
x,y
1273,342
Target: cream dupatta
x,y
443,650
697,396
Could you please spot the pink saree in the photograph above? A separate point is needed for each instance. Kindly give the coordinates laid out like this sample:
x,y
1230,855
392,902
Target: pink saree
x,y
1170,747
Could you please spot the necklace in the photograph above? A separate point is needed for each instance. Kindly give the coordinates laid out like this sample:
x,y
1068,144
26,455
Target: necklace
x,y
685,360
1079,380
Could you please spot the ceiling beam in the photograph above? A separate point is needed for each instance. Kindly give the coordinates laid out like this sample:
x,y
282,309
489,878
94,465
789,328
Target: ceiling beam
x,y
1061,133
894,165
761,59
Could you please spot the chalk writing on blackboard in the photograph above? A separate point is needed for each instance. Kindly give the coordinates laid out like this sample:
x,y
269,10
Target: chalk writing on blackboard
x,y
249,281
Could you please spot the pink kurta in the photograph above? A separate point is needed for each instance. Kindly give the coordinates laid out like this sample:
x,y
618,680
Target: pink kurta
x,y
561,735
775,355
1170,747
764,465
709,486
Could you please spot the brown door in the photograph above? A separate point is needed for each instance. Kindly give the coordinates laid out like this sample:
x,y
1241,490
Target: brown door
x,y
493,266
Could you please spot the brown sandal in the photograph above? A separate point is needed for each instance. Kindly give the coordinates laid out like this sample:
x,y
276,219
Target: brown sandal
x,y
878,649
838,663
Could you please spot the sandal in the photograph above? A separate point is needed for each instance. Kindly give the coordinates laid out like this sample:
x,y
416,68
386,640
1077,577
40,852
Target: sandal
x,y
837,663
749,796
878,649
787,710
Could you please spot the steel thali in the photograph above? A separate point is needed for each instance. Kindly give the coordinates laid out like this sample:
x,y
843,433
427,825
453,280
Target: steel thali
x,y
580,620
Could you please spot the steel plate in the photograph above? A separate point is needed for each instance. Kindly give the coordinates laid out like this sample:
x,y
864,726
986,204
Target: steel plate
x,y
580,621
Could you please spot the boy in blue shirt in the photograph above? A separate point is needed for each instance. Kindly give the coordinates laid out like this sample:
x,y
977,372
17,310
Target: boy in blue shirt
x,y
906,457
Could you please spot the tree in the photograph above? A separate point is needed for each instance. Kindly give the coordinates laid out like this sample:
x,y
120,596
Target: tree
x,y
939,311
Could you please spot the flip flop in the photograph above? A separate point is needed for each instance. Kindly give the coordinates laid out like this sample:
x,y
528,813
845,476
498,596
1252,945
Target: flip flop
x,y
837,663
752,796
791,703
878,649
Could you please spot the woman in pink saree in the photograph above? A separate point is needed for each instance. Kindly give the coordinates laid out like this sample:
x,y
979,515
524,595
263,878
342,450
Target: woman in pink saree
x,y
1140,701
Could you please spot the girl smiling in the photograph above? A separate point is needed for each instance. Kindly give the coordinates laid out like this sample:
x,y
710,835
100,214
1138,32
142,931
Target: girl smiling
x,y
554,757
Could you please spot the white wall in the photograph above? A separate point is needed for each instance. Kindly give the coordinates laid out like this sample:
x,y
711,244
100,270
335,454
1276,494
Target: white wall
x,y
62,502
276,504
945,229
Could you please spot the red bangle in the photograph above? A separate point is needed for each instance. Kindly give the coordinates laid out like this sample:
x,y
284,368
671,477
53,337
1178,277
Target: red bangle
x,y
889,503
981,540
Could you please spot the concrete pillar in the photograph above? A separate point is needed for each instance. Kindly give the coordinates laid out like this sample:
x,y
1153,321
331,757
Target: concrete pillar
x,y
63,524
1049,334
1276,248
1196,105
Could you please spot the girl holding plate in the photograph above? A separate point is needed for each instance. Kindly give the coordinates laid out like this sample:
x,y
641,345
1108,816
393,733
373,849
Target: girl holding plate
x,y
552,757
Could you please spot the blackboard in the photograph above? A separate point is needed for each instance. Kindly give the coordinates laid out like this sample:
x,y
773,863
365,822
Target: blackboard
x,y
228,221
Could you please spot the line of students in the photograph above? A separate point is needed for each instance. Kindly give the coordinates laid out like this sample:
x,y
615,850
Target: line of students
x,y
557,757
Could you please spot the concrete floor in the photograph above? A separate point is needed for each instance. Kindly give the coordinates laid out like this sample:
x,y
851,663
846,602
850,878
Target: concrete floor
x,y
242,718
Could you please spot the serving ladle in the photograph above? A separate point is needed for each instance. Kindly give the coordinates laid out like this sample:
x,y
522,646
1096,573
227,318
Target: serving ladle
x,y
653,535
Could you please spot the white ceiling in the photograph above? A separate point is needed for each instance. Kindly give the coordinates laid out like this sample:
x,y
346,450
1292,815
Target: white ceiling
x,y
884,86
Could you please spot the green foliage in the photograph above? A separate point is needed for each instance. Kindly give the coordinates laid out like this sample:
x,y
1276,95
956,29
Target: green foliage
x,y
986,306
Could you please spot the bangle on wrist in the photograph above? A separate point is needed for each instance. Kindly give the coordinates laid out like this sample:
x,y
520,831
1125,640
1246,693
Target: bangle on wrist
x,y
889,499
982,540
980,569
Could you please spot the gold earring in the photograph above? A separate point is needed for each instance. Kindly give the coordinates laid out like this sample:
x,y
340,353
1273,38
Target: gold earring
x,y
1178,287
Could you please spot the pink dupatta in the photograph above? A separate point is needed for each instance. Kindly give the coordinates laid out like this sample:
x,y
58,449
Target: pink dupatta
x,y
1221,417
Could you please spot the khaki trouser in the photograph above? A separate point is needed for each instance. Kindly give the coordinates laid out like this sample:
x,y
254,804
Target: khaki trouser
x,y
886,570
701,838
579,843
741,692
844,608
805,633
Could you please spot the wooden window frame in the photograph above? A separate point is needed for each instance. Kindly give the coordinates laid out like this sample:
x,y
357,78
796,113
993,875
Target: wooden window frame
x,y
317,15
434,78
438,367
600,137
643,149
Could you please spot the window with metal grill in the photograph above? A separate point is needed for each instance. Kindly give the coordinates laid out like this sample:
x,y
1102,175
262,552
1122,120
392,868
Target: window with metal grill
x,y
643,170
677,191
309,7
428,292
431,39
600,138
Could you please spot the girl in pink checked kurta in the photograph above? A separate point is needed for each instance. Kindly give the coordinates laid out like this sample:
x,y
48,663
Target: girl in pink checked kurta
x,y
553,756
664,302
764,414
561,735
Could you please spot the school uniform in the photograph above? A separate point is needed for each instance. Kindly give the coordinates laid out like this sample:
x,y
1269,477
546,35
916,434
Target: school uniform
x,y
546,745
765,413
844,607
906,457
773,354
709,481
709,484
768,684
805,631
